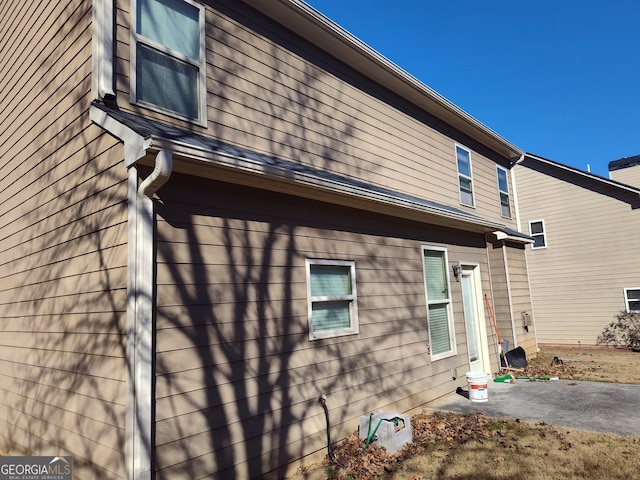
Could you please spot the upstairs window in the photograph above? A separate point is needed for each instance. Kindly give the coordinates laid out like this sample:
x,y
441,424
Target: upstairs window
x,y
168,60
632,299
439,318
465,180
536,230
332,298
503,189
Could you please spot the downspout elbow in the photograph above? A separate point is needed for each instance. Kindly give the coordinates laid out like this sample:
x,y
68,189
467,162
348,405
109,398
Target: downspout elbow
x,y
159,176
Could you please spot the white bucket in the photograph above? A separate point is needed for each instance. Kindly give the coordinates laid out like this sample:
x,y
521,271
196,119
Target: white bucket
x,y
477,382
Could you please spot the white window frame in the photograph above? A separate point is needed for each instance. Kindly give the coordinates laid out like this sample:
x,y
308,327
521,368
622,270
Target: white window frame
x,y
354,327
544,234
465,176
503,192
626,299
199,63
452,334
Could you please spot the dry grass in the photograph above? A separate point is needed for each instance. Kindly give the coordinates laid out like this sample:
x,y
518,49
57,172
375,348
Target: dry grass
x,y
504,449
507,449
594,365
531,452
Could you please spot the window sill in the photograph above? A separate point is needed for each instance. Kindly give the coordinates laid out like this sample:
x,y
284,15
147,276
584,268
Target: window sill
x,y
442,356
333,334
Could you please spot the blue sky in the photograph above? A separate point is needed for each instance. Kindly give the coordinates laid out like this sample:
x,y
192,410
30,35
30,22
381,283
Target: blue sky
x,y
558,78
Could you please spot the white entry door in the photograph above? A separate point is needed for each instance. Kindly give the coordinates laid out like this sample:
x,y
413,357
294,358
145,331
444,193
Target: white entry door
x,y
474,320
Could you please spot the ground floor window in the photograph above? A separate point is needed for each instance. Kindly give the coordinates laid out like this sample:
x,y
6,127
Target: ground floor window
x,y
332,306
439,317
632,299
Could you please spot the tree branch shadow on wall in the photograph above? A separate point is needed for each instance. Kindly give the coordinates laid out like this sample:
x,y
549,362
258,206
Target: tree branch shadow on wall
x,y
237,378
63,257
245,329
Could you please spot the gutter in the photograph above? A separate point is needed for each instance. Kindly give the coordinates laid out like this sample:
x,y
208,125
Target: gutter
x,y
140,295
198,154
135,145
238,162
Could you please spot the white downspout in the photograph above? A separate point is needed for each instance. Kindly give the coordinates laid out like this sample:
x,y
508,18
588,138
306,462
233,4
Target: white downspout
x,y
159,176
516,206
140,293
140,395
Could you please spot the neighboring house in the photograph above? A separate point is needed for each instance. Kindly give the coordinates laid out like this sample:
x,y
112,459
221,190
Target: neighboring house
x,y
583,266
626,170
213,213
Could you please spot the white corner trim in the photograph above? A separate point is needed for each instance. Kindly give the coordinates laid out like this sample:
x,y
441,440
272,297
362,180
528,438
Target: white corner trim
x,y
135,146
102,49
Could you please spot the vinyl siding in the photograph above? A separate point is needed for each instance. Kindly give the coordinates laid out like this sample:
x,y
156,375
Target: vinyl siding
x,y
593,240
521,298
237,379
508,264
500,294
63,247
628,175
275,93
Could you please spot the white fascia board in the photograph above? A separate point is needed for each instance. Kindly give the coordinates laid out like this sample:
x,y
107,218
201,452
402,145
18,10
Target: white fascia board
x,y
135,146
281,173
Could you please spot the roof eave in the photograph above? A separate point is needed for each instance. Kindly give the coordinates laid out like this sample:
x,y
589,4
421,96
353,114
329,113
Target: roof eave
x,y
582,173
235,167
301,18
315,187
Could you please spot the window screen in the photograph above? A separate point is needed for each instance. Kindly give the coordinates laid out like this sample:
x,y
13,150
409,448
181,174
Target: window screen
x,y
503,188
536,231
169,61
632,299
438,302
463,159
332,298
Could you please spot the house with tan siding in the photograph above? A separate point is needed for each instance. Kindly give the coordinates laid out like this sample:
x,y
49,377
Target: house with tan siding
x,y
583,262
212,213
626,170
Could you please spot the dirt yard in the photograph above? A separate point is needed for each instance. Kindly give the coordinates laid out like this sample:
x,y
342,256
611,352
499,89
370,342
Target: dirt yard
x,y
593,365
447,446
